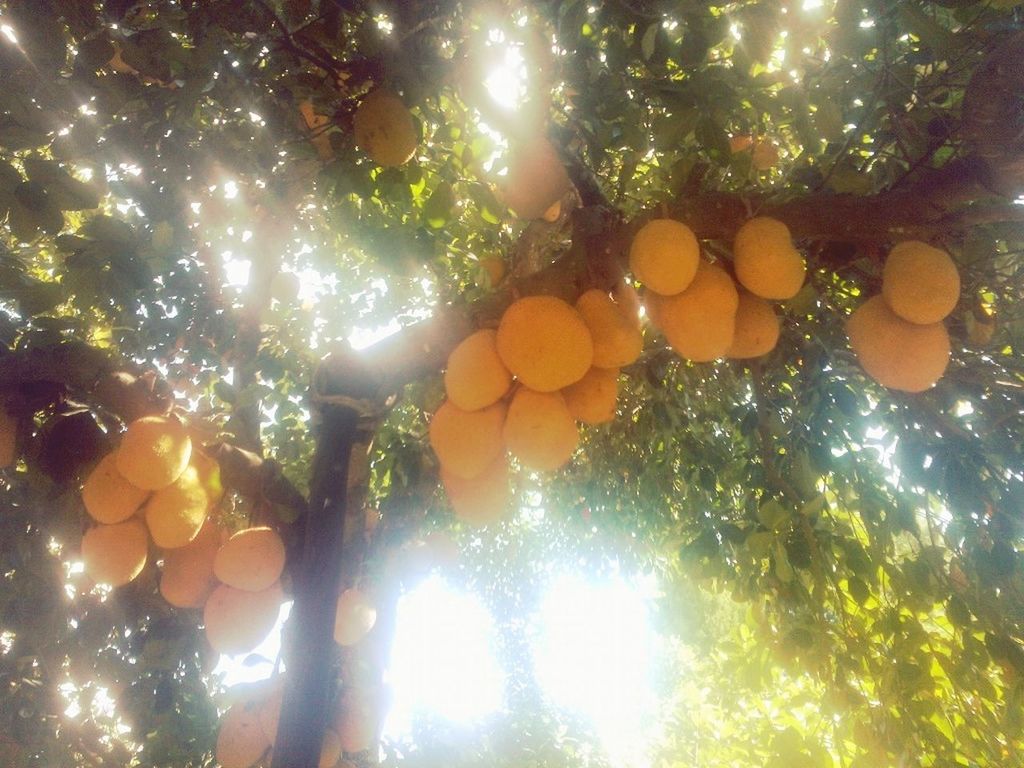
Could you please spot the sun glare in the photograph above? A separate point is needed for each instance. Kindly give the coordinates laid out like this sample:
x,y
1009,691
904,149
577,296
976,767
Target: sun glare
x,y
593,654
506,83
443,662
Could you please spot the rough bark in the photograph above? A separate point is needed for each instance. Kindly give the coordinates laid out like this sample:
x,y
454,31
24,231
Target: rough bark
x,y
346,410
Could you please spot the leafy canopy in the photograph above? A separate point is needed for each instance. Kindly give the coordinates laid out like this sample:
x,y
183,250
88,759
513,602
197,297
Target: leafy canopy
x,y
182,198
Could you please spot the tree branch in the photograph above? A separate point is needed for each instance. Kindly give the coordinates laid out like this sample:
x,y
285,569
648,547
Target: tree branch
x,y
930,207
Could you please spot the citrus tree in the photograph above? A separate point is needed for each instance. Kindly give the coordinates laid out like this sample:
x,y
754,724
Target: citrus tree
x,y
724,292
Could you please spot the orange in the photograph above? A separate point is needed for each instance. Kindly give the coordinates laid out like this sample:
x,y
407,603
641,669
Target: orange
x,y
357,720
154,451
920,283
330,749
115,554
476,377
535,180
240,741
176,513
628,301
895,353
237,621
466,442
270,709
545,343
592,398
766,261
187,577
108,497
251,560
384,129
354,617
482,500
617,340
664,256
740,142
540,431
757,328
700,322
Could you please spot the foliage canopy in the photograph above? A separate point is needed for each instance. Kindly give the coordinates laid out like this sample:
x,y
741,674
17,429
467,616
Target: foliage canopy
x,y
183,199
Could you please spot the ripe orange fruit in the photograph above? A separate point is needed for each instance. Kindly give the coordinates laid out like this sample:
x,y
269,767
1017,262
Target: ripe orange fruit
x,y
240,740
664,256
540,431
617,339
357,720
354,617
384,129
175,514
237,621
740,142
895,353
330,749
187,577
270,709
628,301
535,181
482,500
466,442
766,261
476,377
251,560
545,343
553,213
592,399
115,554
700,322
8,438
920,283
154,451
757,328
108,497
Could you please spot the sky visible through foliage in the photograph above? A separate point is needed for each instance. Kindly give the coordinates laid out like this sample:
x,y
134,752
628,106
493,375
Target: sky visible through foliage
x,y
768,562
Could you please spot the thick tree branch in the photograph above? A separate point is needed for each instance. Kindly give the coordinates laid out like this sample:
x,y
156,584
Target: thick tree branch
x,y
935,205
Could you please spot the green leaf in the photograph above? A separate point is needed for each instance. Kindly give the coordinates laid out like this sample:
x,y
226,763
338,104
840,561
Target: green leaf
x,y
783,570
66,192
772,515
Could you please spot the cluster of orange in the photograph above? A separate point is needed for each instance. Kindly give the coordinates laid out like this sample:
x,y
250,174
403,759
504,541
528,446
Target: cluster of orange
x,y
698,306
523,387
248,729
899,337
157,486
153,485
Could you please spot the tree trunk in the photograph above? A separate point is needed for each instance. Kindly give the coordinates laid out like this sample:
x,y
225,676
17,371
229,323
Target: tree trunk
x,y
309,687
